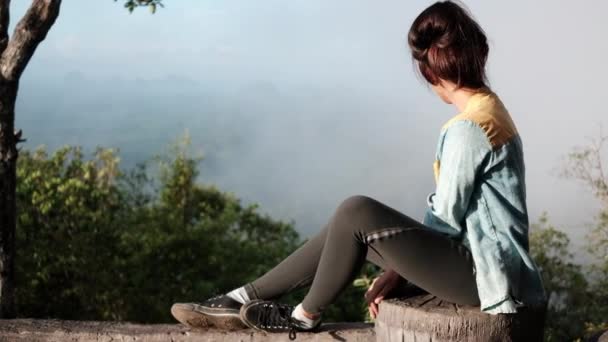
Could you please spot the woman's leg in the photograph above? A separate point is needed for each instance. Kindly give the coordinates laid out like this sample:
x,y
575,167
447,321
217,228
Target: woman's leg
x,y
297,270
427,258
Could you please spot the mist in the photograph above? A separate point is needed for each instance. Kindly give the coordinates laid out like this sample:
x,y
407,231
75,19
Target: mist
x,y
298,105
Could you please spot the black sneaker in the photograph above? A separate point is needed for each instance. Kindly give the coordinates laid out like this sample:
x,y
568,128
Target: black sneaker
x,y
220,311
272,317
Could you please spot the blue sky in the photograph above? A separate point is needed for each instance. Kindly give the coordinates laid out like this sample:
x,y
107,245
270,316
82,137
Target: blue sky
x,y
365,123
284,41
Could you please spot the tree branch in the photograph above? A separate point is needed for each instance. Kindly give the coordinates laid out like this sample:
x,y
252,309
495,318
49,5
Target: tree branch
x,y
4,21
29,32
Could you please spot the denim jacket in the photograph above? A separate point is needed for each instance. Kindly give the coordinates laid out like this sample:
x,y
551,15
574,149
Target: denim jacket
x,y
480,199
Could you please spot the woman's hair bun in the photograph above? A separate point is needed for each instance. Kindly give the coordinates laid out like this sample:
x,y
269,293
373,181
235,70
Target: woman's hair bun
x,y
448,44
425,35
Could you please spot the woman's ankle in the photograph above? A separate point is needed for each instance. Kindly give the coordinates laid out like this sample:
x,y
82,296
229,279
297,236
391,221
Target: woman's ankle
x,y
310,315
307,320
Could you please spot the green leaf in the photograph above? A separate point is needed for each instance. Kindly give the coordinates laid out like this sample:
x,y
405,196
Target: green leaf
x,y
360,282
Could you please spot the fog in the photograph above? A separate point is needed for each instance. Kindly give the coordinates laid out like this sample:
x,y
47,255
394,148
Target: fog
x,y
297,105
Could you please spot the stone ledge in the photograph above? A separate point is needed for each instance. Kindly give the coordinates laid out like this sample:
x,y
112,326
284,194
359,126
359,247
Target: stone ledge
x,y
33,330
423,318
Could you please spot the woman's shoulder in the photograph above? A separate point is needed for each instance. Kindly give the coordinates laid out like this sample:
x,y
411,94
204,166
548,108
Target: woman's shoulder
x,y
464,133
486,113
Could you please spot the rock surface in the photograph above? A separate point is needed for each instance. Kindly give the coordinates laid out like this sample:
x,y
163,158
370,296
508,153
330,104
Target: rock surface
x,y
420,318
55,331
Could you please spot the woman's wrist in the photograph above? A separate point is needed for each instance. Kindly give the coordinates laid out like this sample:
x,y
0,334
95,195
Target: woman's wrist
x,y
390,274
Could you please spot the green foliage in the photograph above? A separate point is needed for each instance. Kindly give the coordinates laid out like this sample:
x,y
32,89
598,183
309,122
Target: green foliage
x,y
585,164
350,305
95,242
598,273
67,231
131,5
564,282
363,283
577,302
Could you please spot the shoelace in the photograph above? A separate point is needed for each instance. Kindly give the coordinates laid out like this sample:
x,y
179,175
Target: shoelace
x,y
210,299
278,316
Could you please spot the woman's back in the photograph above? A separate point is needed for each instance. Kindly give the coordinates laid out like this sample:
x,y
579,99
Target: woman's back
x,y
480,174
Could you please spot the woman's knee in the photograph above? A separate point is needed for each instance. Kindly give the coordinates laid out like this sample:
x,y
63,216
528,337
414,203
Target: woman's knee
x,y
347,217
354,205
355,214
363,214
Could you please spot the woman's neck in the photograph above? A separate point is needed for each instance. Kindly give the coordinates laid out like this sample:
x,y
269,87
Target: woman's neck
x,y
460,97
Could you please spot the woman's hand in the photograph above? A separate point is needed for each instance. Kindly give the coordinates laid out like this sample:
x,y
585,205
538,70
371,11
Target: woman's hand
x,y
379,288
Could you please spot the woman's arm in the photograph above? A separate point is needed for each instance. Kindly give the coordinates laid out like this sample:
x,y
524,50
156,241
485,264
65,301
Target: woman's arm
x,y
381,286
463,151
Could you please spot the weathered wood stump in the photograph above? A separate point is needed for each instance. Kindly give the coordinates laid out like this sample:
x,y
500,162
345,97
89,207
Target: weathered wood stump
x,y
425,318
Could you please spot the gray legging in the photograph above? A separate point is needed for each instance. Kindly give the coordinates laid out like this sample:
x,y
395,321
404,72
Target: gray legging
x,y
362,228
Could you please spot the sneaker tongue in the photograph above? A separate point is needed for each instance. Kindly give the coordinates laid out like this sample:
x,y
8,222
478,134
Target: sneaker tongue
x,y
285,311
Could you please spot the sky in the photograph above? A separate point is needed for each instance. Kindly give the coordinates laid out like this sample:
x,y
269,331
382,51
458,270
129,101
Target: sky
x,y
313,101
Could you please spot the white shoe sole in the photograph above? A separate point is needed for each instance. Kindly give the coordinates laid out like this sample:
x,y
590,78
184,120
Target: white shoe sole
x,y
196,316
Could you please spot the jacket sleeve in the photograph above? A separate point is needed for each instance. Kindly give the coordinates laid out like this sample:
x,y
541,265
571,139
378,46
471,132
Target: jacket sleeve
x,y
461,154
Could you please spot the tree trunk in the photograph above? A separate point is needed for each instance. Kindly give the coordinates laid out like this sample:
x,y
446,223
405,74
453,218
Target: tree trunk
x,y
8,165
426,318
15,52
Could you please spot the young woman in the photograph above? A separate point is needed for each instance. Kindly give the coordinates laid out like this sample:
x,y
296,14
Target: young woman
x,y
472,246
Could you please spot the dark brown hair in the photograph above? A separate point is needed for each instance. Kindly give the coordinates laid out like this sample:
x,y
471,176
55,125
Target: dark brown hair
x,y
448,44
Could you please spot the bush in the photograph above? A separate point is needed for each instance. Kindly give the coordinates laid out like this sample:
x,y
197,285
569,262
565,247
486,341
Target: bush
x,y
95,242
578,301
